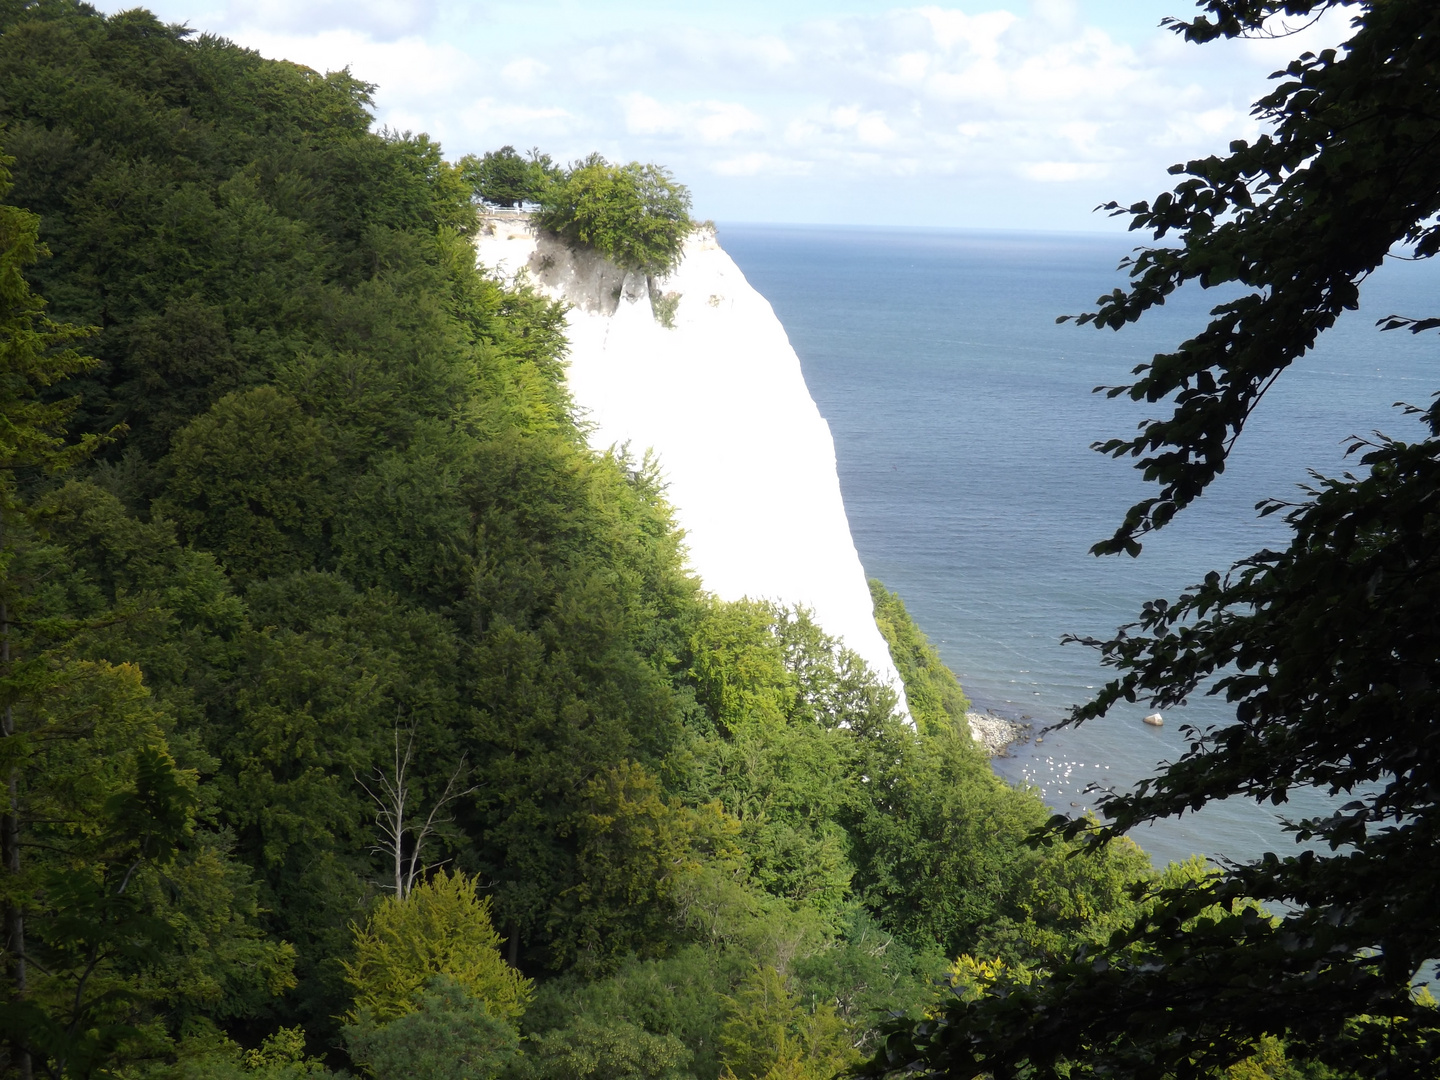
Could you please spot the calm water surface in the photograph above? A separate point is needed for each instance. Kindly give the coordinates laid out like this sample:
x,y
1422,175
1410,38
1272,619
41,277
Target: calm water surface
x,y
962,417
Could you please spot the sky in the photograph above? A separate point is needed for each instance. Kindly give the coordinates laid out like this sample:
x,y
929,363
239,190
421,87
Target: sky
x,y
1008,114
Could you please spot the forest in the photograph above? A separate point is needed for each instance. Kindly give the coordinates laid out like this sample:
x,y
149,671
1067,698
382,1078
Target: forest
x,y
359,718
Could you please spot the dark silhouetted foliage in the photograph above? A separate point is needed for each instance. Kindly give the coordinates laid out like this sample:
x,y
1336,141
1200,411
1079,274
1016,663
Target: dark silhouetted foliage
x,y
1329,649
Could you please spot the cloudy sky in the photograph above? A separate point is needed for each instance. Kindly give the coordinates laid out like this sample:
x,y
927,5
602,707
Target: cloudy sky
x,y
976,113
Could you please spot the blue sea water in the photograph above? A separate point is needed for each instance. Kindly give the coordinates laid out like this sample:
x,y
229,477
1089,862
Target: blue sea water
x,y
963,415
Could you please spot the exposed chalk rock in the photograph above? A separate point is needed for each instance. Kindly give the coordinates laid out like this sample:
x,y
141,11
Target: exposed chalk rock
x,y
994,733
720,397
1154,719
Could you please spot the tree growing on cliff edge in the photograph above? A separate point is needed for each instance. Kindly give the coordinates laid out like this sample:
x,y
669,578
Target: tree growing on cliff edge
x,y
638,216
504,178
1329,649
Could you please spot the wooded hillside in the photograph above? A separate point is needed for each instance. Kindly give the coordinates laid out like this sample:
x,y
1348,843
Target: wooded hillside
x,y
356,714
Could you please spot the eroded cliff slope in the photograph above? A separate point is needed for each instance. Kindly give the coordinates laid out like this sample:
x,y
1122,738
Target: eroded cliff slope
x,y
718,394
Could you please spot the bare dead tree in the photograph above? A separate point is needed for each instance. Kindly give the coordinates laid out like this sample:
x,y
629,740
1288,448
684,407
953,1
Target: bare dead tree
x,y
392,793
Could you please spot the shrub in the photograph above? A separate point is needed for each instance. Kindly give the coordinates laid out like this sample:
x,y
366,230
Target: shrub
x,y
608,1049
665,305
451,1035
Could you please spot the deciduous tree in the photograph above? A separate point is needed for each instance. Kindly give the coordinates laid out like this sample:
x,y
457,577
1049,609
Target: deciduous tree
x,y
450,1035
504,178
636,215
441,928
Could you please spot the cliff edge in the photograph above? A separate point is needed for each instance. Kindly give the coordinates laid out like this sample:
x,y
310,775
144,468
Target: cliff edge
x,y
717,392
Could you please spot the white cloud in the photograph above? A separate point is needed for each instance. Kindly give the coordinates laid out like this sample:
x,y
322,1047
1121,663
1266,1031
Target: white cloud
x,y
979,34
723,120
382,20
911,67
646,116
488,124
1216,121
1089,69
761,164
711,122
870,128
994,117
771,52
874,131
1062,13
524,72
411,72
1053,172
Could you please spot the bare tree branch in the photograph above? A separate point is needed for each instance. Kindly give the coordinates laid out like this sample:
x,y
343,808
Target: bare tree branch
x,y
391,794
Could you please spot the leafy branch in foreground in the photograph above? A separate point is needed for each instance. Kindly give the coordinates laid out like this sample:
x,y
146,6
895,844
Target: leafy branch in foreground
x,y
1299,217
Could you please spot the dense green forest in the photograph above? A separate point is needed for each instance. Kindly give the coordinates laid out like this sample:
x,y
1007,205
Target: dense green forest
x,y
357,716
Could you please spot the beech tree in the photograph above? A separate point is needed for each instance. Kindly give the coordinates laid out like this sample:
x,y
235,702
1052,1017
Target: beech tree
x,y
636,215
504,178
441,928
107,894
1329,650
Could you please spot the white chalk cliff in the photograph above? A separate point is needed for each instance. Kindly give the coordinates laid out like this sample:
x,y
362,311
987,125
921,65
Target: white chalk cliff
x,y
721,400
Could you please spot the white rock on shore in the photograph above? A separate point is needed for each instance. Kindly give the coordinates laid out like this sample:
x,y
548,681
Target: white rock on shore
x,y
721,399
995,733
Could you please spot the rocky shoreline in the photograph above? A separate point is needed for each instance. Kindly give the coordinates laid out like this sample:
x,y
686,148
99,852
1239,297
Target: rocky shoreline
x,y
995,733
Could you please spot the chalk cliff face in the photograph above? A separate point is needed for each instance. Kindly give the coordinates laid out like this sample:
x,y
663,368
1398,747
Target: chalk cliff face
x,y
720,398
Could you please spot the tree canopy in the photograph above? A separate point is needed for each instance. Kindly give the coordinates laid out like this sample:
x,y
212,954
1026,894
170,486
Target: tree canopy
x,y
1329,650
505,178
310,528
636,215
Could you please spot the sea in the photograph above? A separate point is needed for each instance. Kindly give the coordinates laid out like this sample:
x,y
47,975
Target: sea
x,y
963,416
